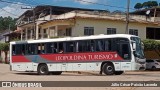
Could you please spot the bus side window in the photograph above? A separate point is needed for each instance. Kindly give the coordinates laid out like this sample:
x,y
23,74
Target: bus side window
x,y
107,43
92,46
41,47
80,46
100,45
31,49
13,50
51,47
125,53
60,47
70,47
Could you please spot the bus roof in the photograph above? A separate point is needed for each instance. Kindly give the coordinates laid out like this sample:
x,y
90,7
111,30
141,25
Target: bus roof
x,y
101,36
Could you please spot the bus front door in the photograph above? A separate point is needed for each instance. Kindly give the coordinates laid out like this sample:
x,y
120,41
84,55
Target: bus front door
x,y
125,53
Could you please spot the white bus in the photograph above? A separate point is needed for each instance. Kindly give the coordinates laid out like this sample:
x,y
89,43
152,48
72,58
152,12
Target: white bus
x,y
108,54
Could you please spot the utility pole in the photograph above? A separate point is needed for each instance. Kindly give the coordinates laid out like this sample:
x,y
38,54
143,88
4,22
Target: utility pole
x,y
9,33
127,16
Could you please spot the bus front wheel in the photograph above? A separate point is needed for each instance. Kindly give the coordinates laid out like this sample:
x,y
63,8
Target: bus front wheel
x,y
108,69
42,69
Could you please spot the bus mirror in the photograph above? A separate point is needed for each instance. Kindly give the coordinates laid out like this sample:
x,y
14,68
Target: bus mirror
x,y
134,46
142,45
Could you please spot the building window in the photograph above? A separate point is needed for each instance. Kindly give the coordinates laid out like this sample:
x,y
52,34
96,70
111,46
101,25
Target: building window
x,y
69,32
88,30
133,32
111,30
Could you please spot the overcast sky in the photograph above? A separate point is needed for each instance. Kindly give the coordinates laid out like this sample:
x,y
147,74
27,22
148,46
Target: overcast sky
x,y
16,8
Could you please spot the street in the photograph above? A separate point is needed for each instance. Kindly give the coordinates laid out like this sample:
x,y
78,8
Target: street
x,y
7,75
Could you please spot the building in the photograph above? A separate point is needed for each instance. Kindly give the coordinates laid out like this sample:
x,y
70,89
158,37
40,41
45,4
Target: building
x,y
151,14
53,21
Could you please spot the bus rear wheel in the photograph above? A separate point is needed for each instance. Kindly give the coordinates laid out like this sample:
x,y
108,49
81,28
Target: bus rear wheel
x,y
57,73
43,69
108,69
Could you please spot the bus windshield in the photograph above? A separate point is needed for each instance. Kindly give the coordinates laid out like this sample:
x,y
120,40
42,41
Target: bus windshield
x,y
139,51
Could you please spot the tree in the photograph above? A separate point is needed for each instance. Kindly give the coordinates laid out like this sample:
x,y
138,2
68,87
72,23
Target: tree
x,y
5,22
145,5
138,6
154,3
149,4
4,47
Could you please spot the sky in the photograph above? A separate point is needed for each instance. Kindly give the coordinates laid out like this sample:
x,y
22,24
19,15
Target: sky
x,y
14,10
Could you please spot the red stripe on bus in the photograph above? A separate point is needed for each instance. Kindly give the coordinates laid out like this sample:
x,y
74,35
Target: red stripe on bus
x,y
20,59
74,57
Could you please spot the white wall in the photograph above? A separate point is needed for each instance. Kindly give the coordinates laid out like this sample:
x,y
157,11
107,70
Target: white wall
x,y
100,26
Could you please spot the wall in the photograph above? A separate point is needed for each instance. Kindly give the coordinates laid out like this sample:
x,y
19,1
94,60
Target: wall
x,y
100,26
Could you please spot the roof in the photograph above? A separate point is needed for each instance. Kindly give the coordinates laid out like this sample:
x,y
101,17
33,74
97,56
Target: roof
x,y
60,10
143,11
101,36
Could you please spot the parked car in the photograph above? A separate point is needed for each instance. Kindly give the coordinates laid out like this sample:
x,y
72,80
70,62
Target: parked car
x,y
153,64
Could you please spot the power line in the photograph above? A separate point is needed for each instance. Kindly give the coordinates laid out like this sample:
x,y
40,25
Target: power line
x,y
9,12
102,4
15,3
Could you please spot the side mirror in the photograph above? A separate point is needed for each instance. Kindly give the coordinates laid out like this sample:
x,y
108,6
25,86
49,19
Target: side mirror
x,y
142,45
134,46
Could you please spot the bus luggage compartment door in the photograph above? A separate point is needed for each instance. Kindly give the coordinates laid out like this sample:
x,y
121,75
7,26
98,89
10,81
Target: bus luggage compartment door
x,y
126,65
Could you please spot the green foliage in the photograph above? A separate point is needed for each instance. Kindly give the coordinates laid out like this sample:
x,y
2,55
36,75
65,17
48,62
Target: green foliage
x,y
148,4
151,45
138,6
4,46
15,39
154,3
5,22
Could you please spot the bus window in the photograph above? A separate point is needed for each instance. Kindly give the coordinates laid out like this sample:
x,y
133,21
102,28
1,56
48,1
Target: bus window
x,y
70,46
92,46
51,48
100,45
31,49
60,47
13,50
84,46
125,51
18,49
107,43
41,48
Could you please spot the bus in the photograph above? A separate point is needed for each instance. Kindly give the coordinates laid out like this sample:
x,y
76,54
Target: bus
x,y
106,54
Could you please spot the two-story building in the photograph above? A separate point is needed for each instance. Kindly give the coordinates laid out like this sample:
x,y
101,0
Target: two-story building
x,y
53,21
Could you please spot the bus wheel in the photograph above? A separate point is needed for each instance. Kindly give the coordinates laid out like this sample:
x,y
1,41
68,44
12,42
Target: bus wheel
x,y
118,72
42,69
108,69
57,73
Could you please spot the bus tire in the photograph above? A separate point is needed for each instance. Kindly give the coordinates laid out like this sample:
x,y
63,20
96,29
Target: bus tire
x,y
108,69
57,73
43,69
118,72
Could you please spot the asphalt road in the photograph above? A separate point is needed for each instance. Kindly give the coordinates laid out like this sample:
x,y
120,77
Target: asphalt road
x,y
7,75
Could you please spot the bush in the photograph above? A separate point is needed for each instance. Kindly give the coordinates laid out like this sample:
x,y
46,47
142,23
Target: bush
x,y
4,46
152,45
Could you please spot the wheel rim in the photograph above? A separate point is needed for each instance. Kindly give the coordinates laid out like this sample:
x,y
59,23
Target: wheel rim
x,y
109,68
43,69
